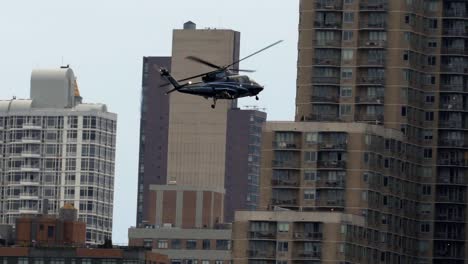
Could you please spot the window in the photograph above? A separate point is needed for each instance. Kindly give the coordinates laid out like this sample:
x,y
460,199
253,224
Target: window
x,y
162,244
347,54
206,244
50,231
148,243
348,17
425,227
310,156
432,23
430,98
403,111
347,35
309,175
346,91
345,109
223,245
191,244
348,2
282,246
432,44
427,153
427,134
175,244
405,55
426,189
23,260
283,227
431,60
311,137
429,116
309,194
346,73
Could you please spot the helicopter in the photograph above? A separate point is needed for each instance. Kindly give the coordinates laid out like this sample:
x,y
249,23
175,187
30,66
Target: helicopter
x,y
221,83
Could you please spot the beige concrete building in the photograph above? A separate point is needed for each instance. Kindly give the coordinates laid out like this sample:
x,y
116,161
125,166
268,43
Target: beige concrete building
x,y
197,133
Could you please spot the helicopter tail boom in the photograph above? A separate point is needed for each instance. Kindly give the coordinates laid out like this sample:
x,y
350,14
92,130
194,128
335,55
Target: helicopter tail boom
x,y
165,73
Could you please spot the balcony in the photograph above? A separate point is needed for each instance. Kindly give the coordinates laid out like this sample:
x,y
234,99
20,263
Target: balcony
x,y
452,124
285,145
262,254
375,118
455,163
28,196
330,184
308,236
370,99
371,63
32,126
455,50
453,88
452,143
449,236
285,183
325,99
327,25
460,13
30,154
373,6
329,203
284,201
371,80
331,164
451,218
326,80
31,139
286,164
381,25
449,199
455,106
27,210
366,43
262,235
459,32
327,5
29,182
325,43
309,255
30,168
332,146
457,69
327,62
323,117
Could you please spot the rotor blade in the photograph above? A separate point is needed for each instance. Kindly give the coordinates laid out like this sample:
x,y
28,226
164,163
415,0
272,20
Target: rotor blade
x,y
198,75
207,63
255,53
164,85
172,90
241,70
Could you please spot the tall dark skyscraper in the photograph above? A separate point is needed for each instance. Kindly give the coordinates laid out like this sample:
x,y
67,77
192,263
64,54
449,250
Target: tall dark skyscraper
x,y
154,124
392,74
243,143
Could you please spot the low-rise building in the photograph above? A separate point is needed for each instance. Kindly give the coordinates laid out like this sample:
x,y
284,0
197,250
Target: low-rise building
x,y
187,246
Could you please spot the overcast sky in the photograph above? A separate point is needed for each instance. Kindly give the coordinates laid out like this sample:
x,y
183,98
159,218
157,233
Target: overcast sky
x,y
104,42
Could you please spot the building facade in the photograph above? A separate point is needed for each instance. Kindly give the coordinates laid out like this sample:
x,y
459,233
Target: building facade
x,y
56,150
393,73
154,127
244,135
182,140
191,246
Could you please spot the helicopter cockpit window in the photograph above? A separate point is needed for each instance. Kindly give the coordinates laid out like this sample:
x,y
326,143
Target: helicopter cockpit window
x,y
241,79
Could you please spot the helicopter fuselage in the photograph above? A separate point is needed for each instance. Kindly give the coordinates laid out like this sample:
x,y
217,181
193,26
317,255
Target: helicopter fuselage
x,y
222,89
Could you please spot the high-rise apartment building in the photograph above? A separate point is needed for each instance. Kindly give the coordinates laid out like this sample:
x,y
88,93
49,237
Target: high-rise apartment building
x,y
394,64
243,145
154,125
56,150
